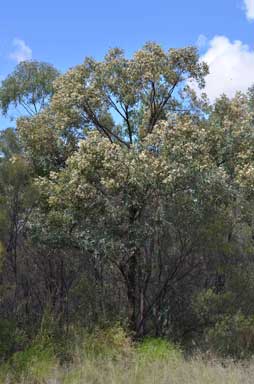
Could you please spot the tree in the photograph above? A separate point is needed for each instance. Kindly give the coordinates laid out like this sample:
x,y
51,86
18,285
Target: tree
x,y
121,98
143,210
124,98
154,209
30,87
145,192
17,199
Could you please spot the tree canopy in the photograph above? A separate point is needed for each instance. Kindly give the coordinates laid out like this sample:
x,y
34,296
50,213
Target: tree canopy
x,y
30,87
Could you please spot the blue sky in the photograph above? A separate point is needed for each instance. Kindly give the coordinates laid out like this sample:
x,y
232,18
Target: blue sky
x,y
64,32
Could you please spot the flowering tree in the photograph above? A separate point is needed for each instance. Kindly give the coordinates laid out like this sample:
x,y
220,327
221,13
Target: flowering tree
x,y
143,184
145,210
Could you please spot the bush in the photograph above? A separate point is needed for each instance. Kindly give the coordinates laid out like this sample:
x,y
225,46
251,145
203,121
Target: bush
x,y
209,306
151,349
11,338
233,336
108,342
35,362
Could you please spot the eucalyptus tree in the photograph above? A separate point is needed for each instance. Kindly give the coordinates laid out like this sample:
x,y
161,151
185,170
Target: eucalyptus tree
x,y
29,87
122,175
17,198
125,98
136,180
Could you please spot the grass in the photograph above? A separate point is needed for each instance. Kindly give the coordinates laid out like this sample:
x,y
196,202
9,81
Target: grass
x,y
108,371
182,372
109,357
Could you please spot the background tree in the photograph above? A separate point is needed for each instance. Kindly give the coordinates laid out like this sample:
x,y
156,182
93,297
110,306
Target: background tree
x,y
30,87
17,198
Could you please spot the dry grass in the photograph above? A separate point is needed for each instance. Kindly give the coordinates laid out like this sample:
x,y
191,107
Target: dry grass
x,y
180,372
132,371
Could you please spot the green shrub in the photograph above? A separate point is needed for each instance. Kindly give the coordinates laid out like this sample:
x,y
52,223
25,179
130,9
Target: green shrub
x,y
108,342
233,336
35,363
151,349
11,338
209,306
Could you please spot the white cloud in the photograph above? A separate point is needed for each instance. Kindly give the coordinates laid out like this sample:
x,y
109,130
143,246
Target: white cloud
x,y
231,66
21,51
249,9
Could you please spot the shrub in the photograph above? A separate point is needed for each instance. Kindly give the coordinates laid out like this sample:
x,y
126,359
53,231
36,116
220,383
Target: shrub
x,y
11,338
233,336
151,349
35,362
209,306
108,342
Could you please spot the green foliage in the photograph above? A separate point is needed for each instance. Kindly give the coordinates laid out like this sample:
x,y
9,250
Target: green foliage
x,y
11,338
9,144
17,195
29,86
139,91
35,363
233,336
210,306
227,313
108,342
153,349
153,361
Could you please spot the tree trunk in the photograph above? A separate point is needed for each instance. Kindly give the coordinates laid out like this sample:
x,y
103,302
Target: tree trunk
x,y
131,292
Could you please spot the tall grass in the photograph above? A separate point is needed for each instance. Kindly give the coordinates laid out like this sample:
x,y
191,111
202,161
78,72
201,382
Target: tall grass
x,y
195,371
110,357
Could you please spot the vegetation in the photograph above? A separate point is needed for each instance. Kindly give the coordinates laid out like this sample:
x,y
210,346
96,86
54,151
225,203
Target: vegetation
x,y
152,361
126,203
